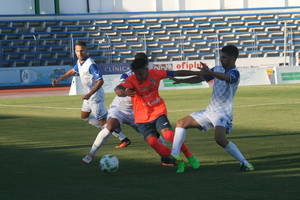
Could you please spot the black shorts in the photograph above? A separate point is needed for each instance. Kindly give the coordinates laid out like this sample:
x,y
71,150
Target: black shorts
x,y
154,126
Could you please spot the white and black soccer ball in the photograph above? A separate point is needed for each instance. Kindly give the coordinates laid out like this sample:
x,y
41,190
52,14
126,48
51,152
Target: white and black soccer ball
x,y
109,163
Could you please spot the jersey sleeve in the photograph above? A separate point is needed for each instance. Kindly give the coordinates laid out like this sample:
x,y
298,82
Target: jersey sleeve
x,y
123,77
75,68
170,73
234,75
94,70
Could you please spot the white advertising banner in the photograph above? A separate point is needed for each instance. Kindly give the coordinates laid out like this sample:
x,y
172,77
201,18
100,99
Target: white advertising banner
x,y
285,75
254,76
248,76
112,80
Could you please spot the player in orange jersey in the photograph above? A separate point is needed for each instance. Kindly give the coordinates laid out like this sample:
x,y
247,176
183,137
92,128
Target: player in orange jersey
x,y
150,112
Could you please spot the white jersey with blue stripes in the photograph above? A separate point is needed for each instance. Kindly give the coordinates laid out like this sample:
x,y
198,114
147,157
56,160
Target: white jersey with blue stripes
x,y
124,104
221,102
89,74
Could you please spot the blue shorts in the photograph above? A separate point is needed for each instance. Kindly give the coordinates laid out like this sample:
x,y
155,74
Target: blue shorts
x,y
154,126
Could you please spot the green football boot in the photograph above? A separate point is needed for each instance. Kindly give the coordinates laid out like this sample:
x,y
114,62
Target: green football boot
x,y
247,167
194,162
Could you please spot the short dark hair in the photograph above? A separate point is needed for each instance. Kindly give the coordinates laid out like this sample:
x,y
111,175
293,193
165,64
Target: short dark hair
x,y
141,56
140,61
138,64
81,43
231,50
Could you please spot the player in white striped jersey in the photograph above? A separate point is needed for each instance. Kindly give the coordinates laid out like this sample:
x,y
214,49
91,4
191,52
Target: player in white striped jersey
x,y
92,81
218,113
120,111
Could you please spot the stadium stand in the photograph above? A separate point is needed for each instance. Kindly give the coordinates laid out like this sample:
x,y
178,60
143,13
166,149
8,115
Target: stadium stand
x,y
164,36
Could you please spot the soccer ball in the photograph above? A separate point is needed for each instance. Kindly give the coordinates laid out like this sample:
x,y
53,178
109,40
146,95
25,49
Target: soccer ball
x,y
109,163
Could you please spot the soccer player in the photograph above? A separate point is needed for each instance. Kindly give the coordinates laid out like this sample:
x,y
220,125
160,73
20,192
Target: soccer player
x,y
119,112
218,113
150,112
92,81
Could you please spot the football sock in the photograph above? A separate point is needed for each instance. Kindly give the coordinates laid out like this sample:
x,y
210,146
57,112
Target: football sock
x,y
169,136
119,135
93,121
234,151
161,149
100,139
178,140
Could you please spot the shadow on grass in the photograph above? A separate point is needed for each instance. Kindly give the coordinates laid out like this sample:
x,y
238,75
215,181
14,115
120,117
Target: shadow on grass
x,y
44,163
3,117
35,174
264,135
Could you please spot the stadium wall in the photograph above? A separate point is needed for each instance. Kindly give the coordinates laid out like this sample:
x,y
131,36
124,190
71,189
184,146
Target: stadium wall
x,y
42,76
15,7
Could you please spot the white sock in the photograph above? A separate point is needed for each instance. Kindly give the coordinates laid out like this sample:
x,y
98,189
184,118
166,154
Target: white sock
x,y
119,135
93,121
234,151
100,139
178,140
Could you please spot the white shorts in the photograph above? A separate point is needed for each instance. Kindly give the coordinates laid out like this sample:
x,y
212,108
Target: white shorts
x,y
122,117
97,108
208,120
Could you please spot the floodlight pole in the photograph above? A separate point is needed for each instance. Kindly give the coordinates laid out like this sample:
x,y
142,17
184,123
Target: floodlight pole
x,y
181,46
217,57
145,44
72,50
284,45
109,49
297,59
35,48
37,9
292,50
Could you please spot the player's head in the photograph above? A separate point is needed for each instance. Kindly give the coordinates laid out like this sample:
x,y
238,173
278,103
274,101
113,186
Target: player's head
x,y
141,56
81,50
140,66
229,54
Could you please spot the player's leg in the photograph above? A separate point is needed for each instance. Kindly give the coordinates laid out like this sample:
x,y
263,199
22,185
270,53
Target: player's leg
x,y
180,132
163,124
115,119
231,148
98,142
195,120
100,112
113,124
148,130
98,119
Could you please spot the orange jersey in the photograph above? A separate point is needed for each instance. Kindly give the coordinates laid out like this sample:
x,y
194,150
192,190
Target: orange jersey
x,y
147,104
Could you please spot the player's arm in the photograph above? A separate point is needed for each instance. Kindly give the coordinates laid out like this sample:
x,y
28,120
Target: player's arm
x,y
188,73
222,76
129,88
231,76
97,76
120,91
191,80
196,77
69,73
97,86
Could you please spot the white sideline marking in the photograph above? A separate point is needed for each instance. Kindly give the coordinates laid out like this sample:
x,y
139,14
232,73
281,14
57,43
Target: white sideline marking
x,y
40,107
183,110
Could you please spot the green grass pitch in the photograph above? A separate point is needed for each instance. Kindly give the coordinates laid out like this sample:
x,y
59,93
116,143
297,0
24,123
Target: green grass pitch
x,y
42,141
